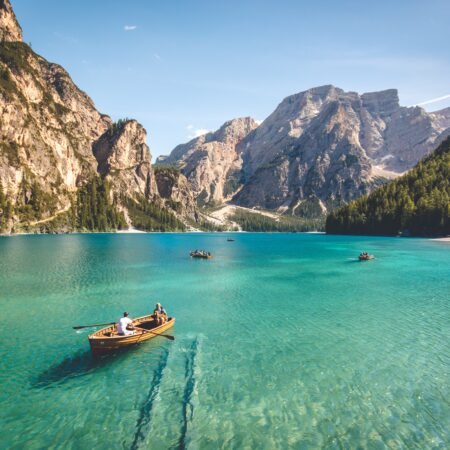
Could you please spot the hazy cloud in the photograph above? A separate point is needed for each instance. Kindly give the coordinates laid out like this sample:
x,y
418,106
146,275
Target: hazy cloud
x,y
196,132
129,27
434,100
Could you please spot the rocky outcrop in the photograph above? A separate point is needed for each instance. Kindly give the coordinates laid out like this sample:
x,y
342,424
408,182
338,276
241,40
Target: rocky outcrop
x,y
47,129
122,152
212,163
10,30
176,194
53,141
327,146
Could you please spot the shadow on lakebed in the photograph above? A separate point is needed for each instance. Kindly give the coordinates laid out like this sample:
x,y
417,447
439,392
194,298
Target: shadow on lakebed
x,y
80,364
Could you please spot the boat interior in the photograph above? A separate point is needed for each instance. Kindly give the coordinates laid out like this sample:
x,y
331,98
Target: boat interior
x,y
146,323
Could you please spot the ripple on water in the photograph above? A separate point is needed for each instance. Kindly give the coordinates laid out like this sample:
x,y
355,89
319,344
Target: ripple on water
x,y
282,341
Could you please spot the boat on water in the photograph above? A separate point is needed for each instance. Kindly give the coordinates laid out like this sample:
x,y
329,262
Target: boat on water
x,y
230,240
201,254
108,339
365,257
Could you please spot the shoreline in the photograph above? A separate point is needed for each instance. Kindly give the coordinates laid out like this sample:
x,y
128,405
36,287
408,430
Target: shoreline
x,y
443,239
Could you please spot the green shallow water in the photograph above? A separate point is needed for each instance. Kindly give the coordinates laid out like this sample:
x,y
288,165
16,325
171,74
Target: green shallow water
x,y
282,341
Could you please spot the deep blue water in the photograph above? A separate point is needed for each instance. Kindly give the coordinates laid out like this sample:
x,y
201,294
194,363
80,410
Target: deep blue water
x,y
282,341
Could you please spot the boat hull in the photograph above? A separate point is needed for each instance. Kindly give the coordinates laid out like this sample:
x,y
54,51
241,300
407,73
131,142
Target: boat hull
x,y
107,340
367,258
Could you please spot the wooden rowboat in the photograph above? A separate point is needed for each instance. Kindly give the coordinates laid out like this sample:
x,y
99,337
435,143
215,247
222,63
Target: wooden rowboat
x,y
201,254
366,257
108,339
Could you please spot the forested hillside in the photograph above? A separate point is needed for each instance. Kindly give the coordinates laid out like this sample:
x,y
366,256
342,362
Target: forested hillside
x,y
417,204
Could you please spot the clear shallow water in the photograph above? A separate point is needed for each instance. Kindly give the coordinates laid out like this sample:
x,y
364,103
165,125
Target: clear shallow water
x,y
282,341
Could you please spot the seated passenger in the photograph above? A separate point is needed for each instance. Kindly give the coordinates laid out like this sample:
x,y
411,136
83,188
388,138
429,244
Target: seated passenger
x,y
125,327
157,314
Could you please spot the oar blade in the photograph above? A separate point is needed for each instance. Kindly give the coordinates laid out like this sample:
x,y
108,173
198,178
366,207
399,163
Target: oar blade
x,y
79,327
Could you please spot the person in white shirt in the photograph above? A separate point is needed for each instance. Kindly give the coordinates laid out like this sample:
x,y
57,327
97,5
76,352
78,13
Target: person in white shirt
x,y
125,327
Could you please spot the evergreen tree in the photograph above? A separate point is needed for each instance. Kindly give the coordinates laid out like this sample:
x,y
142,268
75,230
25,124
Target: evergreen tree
x,y
417,203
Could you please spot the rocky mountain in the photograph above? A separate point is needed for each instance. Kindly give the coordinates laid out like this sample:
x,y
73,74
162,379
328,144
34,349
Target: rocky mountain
x,y
54,143
416,204
10,30
318,149
212,162
325,146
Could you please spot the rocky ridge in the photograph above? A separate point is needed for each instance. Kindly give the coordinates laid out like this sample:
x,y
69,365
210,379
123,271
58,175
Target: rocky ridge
x,y
325,146
212,162
10,30
318,149
54,142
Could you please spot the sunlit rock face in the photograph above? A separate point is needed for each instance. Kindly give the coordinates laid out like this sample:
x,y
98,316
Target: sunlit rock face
x,y
10,30
212,162
53,139
333,146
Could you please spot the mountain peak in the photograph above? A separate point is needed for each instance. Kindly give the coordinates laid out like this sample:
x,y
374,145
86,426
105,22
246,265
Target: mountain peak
x,y
234,130
384,103
10,30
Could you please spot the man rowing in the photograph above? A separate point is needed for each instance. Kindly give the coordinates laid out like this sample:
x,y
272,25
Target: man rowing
x,y
125,326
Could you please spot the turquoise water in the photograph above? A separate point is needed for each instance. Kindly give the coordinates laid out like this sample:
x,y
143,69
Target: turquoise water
x,y
282,341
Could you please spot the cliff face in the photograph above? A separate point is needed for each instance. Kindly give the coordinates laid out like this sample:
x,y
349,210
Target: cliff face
x,y
10,30
332,146
123,153
176,193
212,162
47,130
53,141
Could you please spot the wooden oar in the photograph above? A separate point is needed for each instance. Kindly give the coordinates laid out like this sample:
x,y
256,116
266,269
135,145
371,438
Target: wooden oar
x,y
168,336
79,327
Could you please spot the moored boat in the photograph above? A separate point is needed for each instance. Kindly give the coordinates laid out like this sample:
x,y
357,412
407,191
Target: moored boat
x,y
365,257
108,339
201,254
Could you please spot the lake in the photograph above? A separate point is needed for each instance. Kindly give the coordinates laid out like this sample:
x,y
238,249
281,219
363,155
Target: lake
x,y
282,341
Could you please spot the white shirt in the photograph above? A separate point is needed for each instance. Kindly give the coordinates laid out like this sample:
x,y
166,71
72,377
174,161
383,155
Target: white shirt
x,y
122,325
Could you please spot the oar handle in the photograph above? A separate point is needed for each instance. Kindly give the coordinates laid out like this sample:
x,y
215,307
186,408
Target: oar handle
x,y
79,327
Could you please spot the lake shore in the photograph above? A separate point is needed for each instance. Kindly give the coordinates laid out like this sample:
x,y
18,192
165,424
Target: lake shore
x,y
444,239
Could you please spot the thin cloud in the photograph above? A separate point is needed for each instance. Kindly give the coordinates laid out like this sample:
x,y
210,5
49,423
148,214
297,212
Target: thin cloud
x,y
434,100
201,132
129,27
195,133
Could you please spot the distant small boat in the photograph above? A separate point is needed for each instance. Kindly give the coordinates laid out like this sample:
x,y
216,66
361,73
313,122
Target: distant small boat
x,y
365,257
230,240
201,254
108,339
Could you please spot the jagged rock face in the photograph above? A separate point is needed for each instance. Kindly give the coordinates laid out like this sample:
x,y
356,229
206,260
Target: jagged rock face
x,y
10,30
48,131
333,145
47,127
212,162
122,153
175,191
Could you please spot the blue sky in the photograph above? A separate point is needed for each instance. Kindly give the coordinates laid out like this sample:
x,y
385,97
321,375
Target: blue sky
x,y
183,66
